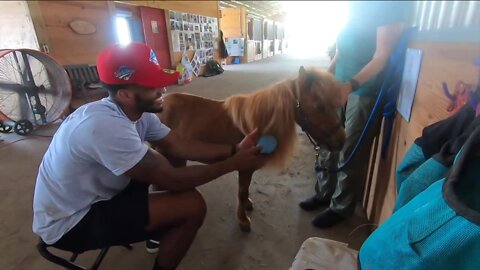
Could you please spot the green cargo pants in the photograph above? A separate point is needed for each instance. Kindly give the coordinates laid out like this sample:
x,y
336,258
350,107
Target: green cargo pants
x,y
344,188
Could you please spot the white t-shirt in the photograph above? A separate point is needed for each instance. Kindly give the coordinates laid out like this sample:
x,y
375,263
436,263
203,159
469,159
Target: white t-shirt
x,y
85,163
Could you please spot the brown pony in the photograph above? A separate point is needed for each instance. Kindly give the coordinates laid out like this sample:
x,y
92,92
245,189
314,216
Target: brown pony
x,y
310,101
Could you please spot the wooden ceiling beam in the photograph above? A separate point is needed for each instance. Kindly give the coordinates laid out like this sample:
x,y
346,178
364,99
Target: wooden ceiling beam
x,y
258,8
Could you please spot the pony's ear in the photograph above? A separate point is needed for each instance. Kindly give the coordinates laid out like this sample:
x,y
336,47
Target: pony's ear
x,y
304,80
302,72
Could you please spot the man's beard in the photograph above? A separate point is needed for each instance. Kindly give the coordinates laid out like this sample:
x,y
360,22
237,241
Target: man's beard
x,y
147,105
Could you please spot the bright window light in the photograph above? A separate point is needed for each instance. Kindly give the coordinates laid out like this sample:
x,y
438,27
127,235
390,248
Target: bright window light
x,y
313,26
123,31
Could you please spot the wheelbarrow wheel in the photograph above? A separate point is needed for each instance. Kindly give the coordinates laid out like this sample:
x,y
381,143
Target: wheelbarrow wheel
x,y
4,128
23,127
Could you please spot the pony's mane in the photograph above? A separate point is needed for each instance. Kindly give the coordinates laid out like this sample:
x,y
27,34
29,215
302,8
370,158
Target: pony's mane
x,y
330,94
271,110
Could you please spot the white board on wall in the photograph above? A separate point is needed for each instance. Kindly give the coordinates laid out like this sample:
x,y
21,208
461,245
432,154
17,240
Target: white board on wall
x,y
235,46
411,70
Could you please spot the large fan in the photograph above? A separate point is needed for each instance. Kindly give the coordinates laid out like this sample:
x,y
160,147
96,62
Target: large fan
x,y
34,90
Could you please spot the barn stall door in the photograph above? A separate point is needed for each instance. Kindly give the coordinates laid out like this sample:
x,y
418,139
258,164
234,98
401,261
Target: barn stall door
x,y
155,31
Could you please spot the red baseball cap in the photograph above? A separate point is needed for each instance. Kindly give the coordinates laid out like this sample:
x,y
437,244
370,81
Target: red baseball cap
x,y
134,63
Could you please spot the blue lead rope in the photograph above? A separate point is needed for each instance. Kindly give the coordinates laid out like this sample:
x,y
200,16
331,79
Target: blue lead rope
x,y
390,87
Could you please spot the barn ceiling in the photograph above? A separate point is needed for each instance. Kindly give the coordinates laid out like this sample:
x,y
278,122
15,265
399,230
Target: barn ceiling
x,y
259,8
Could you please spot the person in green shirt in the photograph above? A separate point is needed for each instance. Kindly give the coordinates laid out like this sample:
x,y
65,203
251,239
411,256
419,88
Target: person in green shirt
x,y
363,49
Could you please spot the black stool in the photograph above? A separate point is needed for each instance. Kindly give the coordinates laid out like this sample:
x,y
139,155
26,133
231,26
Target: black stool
x,y
42,248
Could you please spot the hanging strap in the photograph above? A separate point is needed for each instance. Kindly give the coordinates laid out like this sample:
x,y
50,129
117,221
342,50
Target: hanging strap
x,y
389,88
392,81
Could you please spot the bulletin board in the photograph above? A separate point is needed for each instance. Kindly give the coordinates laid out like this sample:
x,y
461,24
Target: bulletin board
x,y
235,46
192,32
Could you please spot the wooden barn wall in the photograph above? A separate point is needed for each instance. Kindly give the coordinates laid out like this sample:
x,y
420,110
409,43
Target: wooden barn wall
x,y
70,48
64,44
233,23
206,8
442,62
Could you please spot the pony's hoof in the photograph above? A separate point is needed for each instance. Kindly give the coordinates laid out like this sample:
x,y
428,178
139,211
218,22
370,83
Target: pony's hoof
x,y
249,205
245,227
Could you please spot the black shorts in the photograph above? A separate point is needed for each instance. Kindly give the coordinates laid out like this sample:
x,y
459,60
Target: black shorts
x,y
118,221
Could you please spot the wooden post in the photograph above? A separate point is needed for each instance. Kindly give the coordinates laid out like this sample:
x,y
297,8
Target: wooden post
x,y
39,26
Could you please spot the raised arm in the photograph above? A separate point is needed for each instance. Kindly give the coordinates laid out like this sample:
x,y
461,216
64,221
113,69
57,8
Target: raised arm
x,y
180,147
174,144
387,37
155,169
333,63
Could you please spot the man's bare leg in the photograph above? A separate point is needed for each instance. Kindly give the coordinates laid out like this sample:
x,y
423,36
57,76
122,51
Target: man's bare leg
x,y
178,216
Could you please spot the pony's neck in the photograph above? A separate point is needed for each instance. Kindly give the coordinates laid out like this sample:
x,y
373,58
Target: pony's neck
x,y
294,88
272,109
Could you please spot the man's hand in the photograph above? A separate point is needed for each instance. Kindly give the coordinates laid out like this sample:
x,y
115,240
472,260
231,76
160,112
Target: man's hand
x,y
248,158
249,141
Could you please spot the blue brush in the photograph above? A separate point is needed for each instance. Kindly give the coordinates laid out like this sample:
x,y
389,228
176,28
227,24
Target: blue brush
x,y
268,143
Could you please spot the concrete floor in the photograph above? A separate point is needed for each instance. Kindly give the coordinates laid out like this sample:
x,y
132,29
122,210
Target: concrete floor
x,y
278,225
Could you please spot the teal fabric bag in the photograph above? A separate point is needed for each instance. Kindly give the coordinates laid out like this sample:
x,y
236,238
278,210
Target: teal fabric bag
x,y
431,156
437,229
412,160
420,179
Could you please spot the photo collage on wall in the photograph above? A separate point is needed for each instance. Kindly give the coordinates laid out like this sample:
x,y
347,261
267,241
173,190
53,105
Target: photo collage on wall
x,y
200,58
192,32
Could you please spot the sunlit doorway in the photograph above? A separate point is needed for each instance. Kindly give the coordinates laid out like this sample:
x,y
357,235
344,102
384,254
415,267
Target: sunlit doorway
x,y
312,26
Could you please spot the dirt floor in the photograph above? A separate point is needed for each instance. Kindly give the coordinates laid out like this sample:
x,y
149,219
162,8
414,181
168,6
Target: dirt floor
x,y
279,226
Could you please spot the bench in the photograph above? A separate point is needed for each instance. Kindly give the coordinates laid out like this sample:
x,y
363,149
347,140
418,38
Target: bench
x,y
86,86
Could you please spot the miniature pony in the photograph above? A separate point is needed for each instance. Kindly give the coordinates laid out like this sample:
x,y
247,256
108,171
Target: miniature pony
x,y
310,101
